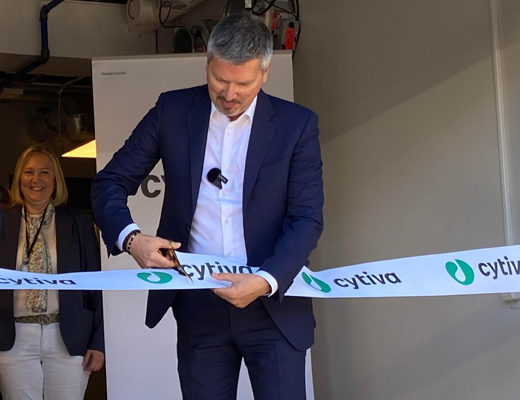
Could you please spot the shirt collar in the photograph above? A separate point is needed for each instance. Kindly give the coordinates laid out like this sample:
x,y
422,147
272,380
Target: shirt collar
x,y
250,112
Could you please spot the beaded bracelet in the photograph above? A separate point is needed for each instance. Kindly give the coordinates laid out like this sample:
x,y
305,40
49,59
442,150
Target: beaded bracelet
x,y
127,243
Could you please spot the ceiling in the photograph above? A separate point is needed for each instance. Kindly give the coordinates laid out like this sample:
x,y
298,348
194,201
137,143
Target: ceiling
x,y
56,65
43,83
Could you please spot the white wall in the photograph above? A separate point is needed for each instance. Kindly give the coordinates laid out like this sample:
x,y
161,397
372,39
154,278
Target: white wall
x,y
82,30
406,98
510,50
76,30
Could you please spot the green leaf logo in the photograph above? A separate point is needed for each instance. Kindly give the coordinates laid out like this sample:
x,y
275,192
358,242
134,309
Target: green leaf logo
x,y
163,277
315,283
469,275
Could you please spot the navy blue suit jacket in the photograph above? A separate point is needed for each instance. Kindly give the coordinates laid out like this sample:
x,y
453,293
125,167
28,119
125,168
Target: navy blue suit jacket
x,y
81,312
282,196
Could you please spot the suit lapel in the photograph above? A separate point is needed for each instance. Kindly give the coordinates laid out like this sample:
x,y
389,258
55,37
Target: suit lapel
x,y
12,222
63,235
262,133
197,124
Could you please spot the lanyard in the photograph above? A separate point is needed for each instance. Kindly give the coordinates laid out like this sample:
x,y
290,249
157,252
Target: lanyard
x,y
31,247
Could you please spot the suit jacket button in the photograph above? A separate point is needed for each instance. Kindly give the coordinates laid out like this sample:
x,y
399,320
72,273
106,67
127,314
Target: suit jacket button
x,y
188,228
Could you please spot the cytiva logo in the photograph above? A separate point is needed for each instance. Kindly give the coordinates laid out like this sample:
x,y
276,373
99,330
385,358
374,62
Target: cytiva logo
x,y
162,277
468,276
36,281
316,283
367,279
464,274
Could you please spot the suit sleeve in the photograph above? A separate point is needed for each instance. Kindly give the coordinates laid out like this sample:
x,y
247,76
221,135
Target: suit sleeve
x,y
92,262
122,176
303,223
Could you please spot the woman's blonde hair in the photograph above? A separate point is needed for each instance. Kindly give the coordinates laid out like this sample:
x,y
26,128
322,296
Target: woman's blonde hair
x,y
60,194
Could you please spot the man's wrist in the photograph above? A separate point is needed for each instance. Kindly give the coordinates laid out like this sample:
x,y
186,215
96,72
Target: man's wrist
x,y
124,233
270,280
127,243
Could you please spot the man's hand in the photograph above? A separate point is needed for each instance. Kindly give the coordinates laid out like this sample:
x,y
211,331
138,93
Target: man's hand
x,y
244,289
93,360
146,251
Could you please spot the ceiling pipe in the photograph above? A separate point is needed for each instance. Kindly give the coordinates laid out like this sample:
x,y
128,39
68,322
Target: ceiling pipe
x,y
45,54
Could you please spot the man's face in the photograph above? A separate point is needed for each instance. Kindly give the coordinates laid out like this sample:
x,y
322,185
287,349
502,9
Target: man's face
x,y
232,88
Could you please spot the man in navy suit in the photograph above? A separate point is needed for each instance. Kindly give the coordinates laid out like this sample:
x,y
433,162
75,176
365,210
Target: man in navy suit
x,y
268,215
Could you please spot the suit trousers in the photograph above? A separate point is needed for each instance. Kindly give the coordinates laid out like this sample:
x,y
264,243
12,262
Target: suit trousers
x,y
213,338
40,367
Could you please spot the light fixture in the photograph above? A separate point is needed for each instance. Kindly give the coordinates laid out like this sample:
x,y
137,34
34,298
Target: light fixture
x,y
85,151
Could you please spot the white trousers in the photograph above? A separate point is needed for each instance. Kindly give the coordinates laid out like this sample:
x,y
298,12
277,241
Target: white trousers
x,y
39,366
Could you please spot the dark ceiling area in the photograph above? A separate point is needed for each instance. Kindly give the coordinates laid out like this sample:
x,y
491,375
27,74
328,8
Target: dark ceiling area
x,y
45,88
48,80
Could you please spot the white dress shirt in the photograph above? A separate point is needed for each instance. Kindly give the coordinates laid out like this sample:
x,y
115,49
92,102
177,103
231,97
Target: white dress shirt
x,y
218,227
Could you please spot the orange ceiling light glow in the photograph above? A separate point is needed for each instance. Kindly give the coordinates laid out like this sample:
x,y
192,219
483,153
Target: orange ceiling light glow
x,y
86,151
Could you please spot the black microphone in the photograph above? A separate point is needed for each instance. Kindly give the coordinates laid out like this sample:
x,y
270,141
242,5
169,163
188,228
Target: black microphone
x,y
216,178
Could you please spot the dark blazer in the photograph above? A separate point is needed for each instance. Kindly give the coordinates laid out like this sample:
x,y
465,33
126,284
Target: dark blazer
x,y
282,196
81,313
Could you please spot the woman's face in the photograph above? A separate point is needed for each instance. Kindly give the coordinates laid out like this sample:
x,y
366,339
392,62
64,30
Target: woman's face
x,y
37,181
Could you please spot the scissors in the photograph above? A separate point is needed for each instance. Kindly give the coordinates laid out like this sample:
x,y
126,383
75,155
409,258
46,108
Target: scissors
x,y
176,263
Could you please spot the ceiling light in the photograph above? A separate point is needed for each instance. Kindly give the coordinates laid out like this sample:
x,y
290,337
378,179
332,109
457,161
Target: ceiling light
x,y
86,151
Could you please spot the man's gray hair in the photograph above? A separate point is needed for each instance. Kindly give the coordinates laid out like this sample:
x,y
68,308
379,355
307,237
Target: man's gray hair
x,y
241,38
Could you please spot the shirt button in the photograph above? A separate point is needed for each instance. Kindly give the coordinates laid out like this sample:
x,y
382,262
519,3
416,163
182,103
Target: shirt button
x,y
223,194
226,221
224,165
228,254
228,133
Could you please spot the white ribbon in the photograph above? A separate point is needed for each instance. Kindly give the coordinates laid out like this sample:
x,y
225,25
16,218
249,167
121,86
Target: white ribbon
x,y
492,270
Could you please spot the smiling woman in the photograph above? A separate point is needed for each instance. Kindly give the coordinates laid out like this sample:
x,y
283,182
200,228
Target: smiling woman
x,y
37,183
50,340
38,180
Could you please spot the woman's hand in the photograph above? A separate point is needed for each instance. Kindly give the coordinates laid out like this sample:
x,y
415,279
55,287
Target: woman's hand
x,y
93,360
